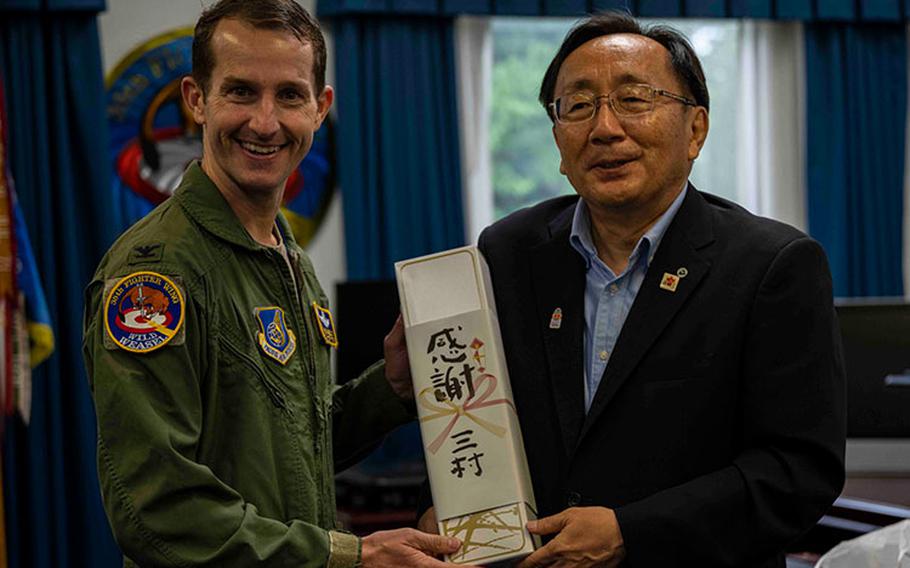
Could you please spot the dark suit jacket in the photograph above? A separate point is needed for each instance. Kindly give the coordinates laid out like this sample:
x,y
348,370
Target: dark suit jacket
x,y
717,432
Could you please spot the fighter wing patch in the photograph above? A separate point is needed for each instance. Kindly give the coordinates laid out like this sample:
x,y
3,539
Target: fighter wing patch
x,y
143,312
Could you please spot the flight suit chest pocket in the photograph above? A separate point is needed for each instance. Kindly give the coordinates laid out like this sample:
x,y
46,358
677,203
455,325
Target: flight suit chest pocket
x,y
240,369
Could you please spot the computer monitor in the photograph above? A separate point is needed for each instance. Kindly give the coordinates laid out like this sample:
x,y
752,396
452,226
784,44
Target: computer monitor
x,y
366,311
876,337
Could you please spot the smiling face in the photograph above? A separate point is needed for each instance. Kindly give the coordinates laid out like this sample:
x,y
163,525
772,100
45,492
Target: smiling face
x,y
628,164
259,113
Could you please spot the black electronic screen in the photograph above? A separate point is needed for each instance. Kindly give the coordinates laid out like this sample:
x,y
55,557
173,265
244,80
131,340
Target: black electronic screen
x,y
876,337
365,313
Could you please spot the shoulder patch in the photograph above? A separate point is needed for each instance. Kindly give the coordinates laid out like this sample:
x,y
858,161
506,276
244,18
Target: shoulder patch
x,y
326,324
146,253
275,339
143,312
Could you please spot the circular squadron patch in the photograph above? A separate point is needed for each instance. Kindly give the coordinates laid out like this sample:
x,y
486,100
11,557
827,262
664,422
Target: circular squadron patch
x,y
143,312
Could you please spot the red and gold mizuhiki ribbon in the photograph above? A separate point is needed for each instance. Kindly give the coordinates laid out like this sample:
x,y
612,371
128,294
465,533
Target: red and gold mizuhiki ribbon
x,y
456,411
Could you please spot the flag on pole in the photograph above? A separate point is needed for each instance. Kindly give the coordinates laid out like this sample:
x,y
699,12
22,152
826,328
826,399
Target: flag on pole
x,y
8,294
33,336
26,336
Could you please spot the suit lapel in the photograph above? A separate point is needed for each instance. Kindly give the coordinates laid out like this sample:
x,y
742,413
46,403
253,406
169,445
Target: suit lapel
x,y
558,273
654,307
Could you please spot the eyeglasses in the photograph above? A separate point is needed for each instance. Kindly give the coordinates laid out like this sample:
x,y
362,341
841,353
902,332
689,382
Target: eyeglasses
x,y
626,100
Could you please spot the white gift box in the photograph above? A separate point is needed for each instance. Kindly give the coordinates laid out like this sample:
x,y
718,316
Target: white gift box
x,y
475,456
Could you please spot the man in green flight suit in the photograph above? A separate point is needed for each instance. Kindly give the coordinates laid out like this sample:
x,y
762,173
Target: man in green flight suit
x,y
207,334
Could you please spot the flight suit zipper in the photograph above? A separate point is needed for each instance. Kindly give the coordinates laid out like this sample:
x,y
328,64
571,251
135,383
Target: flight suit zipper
x,y
309,354
320,448
323,448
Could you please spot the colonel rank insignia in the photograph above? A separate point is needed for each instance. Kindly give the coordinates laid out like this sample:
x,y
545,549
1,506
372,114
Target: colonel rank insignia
x,y
143,312
275,339
326,325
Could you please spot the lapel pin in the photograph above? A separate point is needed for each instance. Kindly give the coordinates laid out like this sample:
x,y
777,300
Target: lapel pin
x,y
556,319
669,282
682,272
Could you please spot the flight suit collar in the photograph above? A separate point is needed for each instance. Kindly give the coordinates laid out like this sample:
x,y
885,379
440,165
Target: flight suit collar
x,y
202,201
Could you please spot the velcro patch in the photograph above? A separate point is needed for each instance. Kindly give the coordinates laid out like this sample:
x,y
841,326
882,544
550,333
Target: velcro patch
x,y
275,339
143,312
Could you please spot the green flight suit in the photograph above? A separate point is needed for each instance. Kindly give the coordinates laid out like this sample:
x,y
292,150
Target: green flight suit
x,y
210,452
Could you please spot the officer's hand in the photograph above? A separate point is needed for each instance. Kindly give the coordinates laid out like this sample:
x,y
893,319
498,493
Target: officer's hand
x,y
397,368
406,547
427,521
585,536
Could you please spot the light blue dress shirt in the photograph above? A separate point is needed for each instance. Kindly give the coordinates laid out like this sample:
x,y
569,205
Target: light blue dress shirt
x,y
608,297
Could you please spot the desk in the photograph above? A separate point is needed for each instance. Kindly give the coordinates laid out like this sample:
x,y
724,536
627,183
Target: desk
x,y
891,490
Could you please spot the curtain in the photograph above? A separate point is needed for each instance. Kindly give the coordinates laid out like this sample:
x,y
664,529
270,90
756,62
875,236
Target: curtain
x,y
856,77
474,58
397,141
841,10
51,68
771,124
400,174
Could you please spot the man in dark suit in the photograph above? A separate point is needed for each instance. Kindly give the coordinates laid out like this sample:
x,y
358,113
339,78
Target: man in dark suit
x,y
674,359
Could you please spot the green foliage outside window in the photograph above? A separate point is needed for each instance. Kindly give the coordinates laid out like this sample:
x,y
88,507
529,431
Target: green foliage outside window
x,y
525,159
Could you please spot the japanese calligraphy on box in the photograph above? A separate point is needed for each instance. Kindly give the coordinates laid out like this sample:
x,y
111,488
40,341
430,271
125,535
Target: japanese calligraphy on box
x,y
474,451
